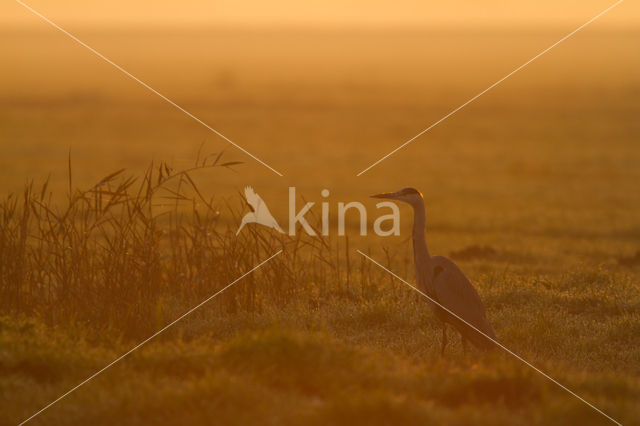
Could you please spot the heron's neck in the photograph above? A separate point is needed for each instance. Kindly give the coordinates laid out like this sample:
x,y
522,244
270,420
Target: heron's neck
x,y
419,225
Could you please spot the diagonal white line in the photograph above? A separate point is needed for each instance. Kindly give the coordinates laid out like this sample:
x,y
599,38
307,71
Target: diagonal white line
x,y
147,339
128,74
490,87
495,341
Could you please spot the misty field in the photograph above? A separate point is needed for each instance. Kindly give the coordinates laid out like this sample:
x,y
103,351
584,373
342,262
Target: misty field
x,y
533,191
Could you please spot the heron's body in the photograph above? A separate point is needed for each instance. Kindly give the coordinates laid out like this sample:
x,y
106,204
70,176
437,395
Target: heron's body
x,y
442,280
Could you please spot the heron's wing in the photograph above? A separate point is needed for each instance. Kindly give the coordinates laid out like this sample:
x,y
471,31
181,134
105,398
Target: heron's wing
x,y
455,292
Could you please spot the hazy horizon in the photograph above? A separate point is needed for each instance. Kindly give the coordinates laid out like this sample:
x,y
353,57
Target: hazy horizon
x,y
287,13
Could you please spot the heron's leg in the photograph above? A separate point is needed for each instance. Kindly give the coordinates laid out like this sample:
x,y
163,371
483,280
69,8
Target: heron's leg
x,y
444,338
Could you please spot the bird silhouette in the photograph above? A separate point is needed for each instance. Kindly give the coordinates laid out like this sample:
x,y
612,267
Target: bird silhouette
x,y
260,213
442,280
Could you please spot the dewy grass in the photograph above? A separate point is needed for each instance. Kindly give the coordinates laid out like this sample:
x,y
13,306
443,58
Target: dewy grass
x,y
318,336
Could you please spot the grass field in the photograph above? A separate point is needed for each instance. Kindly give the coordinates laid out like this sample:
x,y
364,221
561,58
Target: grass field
x,y
543,170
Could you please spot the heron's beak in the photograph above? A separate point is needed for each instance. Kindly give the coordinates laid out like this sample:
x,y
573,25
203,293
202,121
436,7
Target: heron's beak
x,y
389,195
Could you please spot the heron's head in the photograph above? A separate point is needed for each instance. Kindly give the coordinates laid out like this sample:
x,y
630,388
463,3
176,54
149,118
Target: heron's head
x,y
408,195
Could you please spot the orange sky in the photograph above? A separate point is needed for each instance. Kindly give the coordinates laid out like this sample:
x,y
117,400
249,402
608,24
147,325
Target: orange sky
x,y
323,12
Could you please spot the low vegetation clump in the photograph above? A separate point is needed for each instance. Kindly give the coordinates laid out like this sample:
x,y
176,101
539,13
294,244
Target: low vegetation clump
x,y
127,255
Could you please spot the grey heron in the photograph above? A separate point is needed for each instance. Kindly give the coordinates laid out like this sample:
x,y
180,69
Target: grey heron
x,y
442,280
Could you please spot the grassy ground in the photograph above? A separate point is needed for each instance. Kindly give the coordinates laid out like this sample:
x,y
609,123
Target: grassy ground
x,y
543,171
347,361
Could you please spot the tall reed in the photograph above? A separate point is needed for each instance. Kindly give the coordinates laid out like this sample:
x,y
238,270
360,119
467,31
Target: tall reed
x,y
127,252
